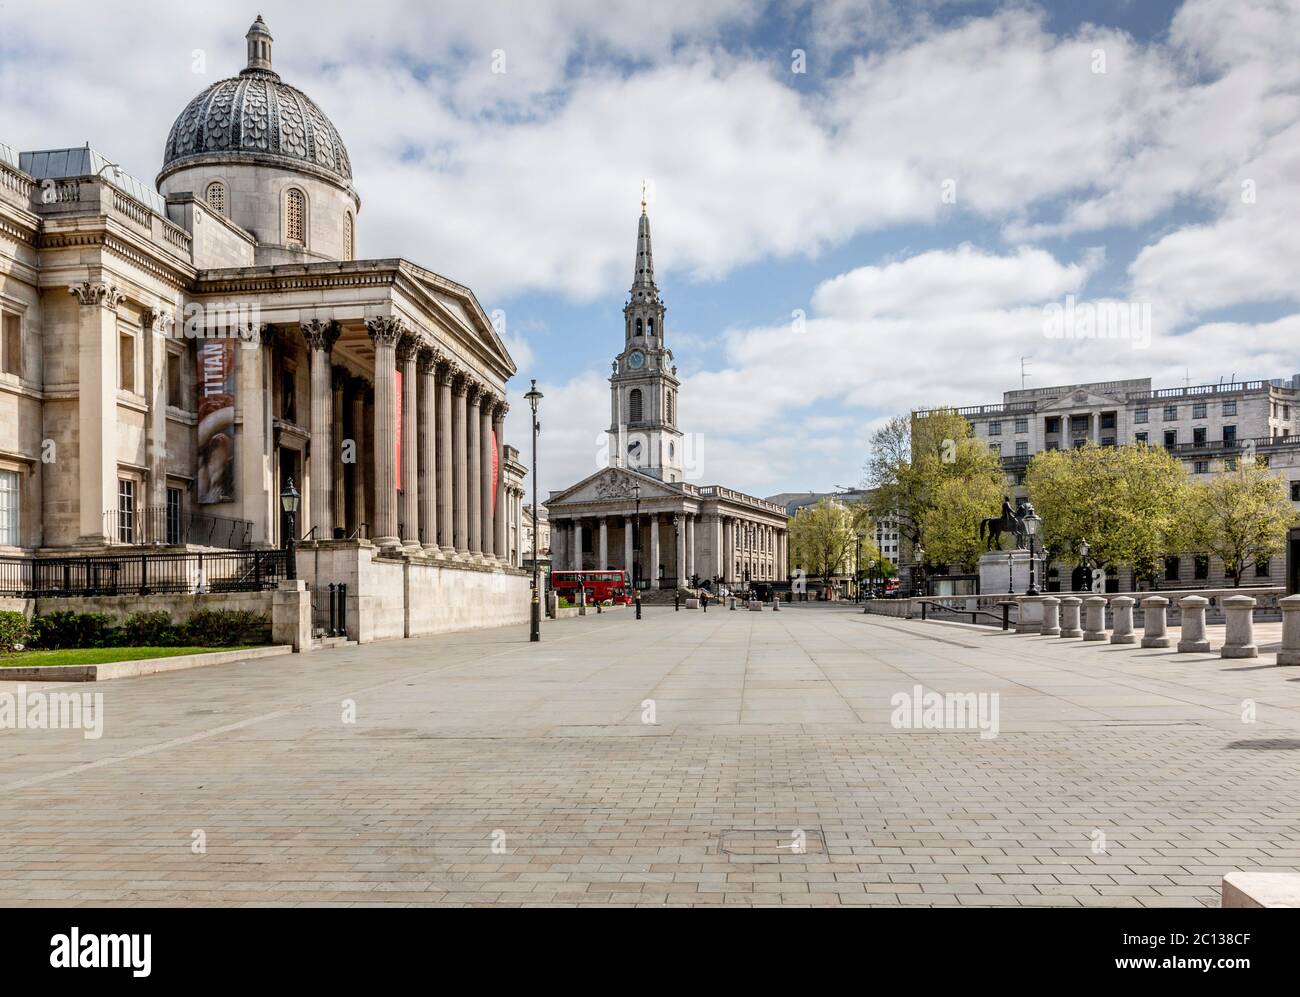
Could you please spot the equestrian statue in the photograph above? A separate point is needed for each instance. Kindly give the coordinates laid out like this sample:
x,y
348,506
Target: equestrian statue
x,y
1007,522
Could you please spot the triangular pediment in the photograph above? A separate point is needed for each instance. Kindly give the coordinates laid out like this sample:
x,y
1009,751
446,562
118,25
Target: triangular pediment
x,y
611,484
457,306
1079,398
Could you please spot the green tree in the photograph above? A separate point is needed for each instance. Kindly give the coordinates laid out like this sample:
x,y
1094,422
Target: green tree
x,y
919,464
1241,517
823,538
1128,502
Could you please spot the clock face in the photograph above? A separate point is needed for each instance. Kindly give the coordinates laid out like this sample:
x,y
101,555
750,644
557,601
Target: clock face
x,y
634,451
636,360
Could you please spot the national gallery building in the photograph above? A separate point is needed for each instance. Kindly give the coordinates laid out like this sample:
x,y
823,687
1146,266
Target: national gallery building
x,y
173,356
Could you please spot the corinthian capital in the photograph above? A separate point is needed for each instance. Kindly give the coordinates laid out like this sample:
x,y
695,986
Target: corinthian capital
x,y
429,359
97,293
408,347
385,330
320,335
161,320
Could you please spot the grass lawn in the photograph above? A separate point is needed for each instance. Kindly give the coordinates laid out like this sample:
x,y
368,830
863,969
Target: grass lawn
x,y
102,655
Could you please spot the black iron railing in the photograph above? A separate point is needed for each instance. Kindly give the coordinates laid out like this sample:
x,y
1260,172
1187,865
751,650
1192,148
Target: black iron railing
x,y
158,526
142,574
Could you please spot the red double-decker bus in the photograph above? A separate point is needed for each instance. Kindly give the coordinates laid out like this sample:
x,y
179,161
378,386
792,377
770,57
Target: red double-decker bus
x,y
599,585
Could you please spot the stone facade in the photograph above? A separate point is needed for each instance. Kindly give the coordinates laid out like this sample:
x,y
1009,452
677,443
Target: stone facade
x,y
184,353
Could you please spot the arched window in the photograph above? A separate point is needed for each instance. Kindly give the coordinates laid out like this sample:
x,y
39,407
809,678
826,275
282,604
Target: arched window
x,y
634,405
638,327
216,197
349,247
649,327
295,217
668,401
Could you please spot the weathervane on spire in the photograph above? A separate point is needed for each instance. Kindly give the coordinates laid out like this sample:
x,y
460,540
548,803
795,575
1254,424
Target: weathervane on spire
x,y
643,197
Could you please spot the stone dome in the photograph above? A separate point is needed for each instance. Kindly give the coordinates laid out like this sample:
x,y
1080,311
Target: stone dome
x,y
256,117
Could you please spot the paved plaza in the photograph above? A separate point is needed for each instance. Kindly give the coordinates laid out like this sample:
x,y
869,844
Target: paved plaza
x,y
481,769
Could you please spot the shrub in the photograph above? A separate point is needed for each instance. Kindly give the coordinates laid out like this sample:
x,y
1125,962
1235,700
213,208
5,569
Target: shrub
x,y
150,629
14,630
224,627
68,629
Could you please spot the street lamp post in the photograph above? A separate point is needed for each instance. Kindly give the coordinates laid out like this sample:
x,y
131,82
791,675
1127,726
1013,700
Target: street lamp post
x,y
533,397
289,502
636,589
857,567
1083,563
1032,523
920,563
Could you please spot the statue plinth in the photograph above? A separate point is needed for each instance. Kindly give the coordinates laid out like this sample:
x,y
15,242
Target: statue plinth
x,y
1005,572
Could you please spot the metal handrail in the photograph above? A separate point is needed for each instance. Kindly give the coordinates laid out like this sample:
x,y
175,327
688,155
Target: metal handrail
x,y
1005,619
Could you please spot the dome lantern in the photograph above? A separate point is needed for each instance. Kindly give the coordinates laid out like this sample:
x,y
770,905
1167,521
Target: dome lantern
x,y
259,46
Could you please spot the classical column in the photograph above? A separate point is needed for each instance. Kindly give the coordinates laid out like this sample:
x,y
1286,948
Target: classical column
x,y
408,352
339,382
603,562
680,567
577,545
460,463
653,519
728,550
428,432
96,405
259,498
487,492
690,546
320,336
386,332
474,469
158,325
446,531
502,545
358,387
627,547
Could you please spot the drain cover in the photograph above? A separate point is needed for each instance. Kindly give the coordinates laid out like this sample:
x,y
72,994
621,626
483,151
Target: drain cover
x,y
753,842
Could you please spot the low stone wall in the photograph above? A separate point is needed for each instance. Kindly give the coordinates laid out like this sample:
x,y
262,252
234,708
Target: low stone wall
x,y
411,596
179,606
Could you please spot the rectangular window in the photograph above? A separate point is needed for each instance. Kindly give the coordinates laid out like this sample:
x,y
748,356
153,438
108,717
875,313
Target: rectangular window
x,y
126,362
1201,567
1108,441
1262,460
1053,445
1172,566
1201,467
1295,491
125,511
1262,568
1198,435
174,399
175,506
996,448
13,345
1022,425
1140,438
9,506
995,427
1229,435
1171,413
1141,414
1052,424
1230,408
1229,463
1022,448
1108,420
1171,438
1198,410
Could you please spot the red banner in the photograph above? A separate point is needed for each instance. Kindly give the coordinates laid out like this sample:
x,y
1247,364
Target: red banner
x,y
216,436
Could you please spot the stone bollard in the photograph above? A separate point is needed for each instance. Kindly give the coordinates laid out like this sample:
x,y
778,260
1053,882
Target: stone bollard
x,y
1094,627
1122,631
1239,635
1290,652
1193,627
732,602
1070,606
1051,617
1029,614
776,605
1155,629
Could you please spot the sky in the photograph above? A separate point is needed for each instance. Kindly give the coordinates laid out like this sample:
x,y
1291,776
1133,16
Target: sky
x,y
859,207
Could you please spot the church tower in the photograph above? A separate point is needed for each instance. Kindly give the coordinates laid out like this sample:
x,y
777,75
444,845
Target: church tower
x,y
643,431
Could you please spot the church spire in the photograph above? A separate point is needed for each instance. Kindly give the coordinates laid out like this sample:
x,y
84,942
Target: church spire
x,y
644,278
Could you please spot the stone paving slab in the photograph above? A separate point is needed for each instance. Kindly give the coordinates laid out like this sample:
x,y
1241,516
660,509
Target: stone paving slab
x,y
481,769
